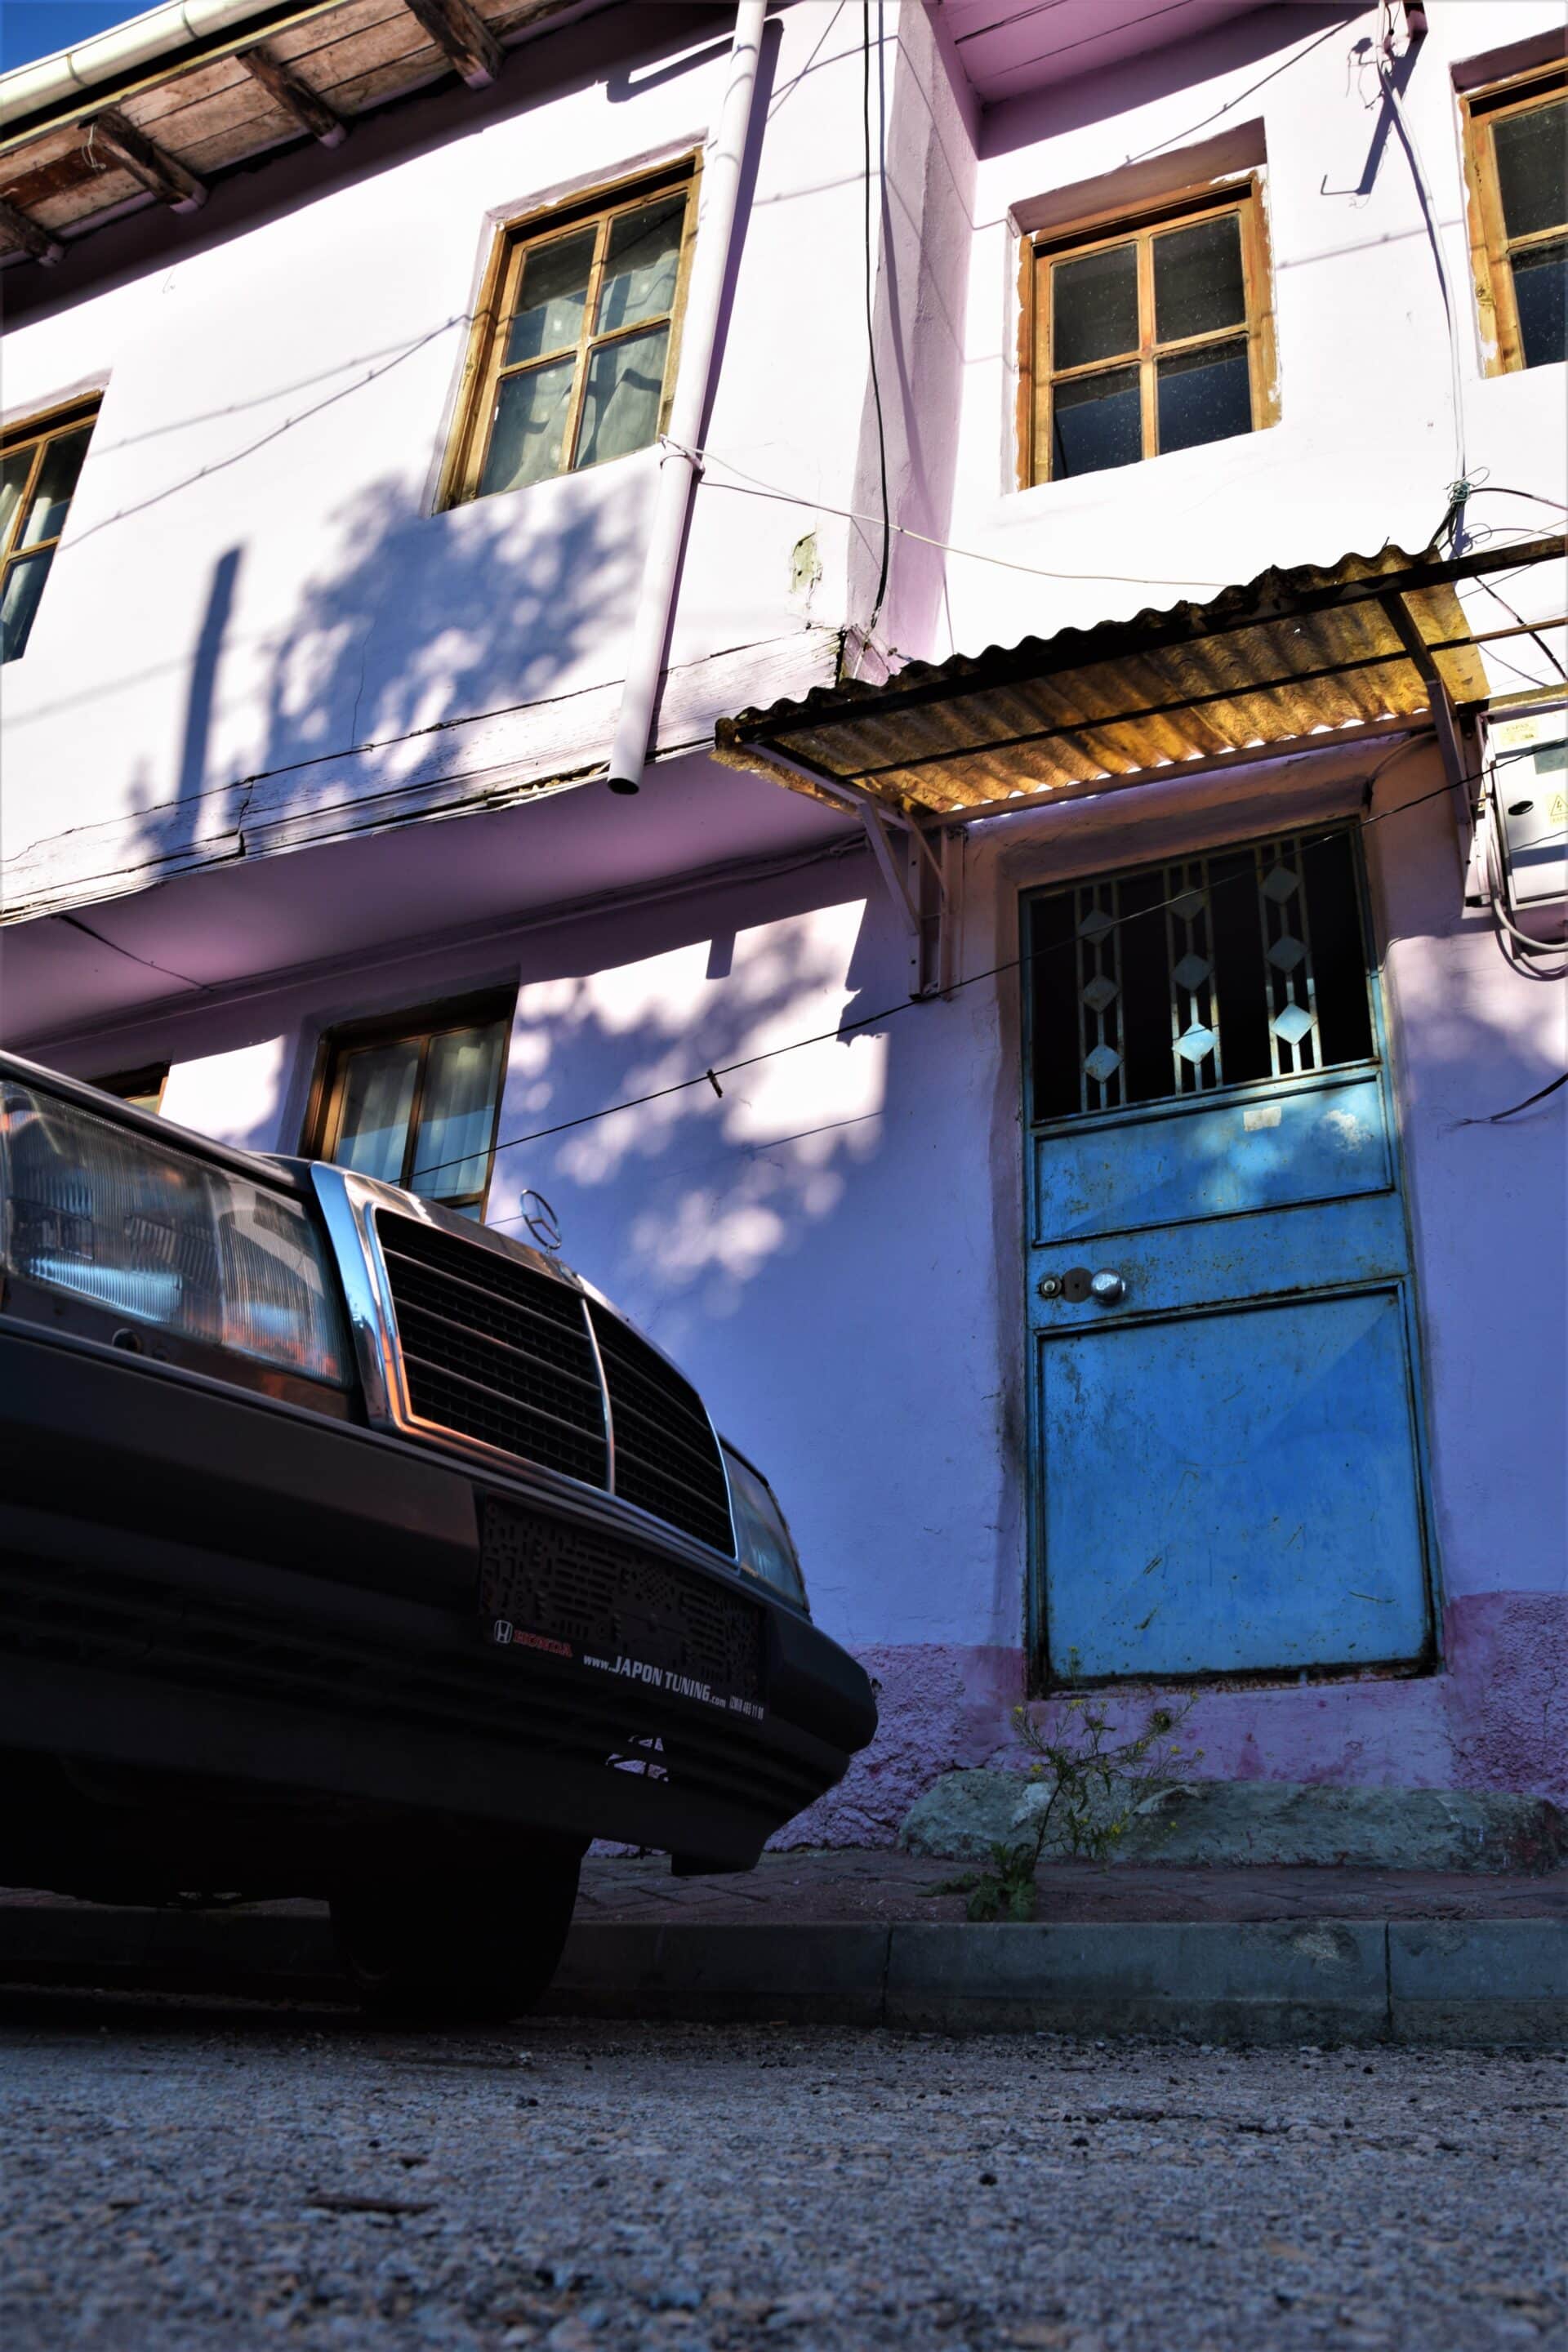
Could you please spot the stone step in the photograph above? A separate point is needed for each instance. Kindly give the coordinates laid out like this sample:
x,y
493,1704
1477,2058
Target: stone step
x,y
1235,1823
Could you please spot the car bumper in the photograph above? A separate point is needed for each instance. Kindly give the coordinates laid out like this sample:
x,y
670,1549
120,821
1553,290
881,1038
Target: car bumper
x,y
201,1582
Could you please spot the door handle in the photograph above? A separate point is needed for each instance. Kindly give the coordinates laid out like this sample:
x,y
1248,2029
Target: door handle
x,y
1078,1283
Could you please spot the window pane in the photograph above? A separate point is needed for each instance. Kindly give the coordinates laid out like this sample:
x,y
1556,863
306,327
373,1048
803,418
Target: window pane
x,y
1058,1048
640,265
620,409
57,481
1339,950
461,1082
23,586
1204,395
1533,168
1094,307
1096,421
1197,279
528,427
13,472
1144,1014
1541,296
378,1097
549,314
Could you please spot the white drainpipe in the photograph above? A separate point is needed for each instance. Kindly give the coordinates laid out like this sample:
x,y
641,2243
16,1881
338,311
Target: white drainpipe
x,y
678,471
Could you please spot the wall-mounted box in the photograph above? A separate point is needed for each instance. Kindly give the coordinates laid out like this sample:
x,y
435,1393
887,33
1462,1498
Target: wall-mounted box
x,y
1527,764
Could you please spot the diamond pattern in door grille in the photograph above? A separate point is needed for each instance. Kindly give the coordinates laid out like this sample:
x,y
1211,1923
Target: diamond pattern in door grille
x,y
1242,966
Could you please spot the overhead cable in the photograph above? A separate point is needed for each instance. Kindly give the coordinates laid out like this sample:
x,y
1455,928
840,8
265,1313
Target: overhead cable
x,y
711,1072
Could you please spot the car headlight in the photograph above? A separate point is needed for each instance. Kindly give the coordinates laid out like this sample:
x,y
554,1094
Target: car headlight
x,y
762,1543
162,1237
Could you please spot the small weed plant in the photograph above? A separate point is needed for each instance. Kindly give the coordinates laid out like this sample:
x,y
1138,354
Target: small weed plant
x,y
1084,1783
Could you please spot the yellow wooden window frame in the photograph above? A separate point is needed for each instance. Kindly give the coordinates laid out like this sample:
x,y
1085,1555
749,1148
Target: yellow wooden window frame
x,y
35,438
324,1114
486,364
1047,249
1491,247
143,1086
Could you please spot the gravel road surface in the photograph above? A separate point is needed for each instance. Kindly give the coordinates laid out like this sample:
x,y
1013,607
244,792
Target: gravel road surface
x,y
218,2178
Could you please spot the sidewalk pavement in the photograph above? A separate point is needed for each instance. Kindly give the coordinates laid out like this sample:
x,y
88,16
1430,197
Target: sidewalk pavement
x,y
835,1887
1262,1955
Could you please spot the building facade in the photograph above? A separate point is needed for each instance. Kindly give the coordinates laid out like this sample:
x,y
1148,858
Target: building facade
x,y
1124,552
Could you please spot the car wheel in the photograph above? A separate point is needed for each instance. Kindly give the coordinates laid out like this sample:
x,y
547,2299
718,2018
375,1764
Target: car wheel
x,y
456,1943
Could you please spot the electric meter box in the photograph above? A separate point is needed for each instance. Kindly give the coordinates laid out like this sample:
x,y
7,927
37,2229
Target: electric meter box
x,y
1527,758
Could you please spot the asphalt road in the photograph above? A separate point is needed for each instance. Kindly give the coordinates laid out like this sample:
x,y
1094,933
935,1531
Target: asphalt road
x,y
177,2176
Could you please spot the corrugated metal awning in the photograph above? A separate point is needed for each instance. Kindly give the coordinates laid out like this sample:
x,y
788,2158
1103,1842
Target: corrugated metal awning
x,y
1292,656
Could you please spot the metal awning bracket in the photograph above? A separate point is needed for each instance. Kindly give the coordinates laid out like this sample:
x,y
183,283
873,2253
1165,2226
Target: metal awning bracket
x,y
1455,740
920,871
935,879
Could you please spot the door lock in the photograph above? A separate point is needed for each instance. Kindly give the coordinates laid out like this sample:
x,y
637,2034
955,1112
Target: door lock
x,y
1077,1284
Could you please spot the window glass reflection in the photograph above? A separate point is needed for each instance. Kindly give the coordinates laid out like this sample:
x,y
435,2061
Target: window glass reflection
x,y
1094,307
1097,423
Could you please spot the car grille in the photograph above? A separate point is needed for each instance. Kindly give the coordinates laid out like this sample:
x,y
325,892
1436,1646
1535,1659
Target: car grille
x,y
667,1457
493,1350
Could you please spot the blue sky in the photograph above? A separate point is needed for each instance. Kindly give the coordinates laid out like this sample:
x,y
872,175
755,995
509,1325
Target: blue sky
x,y
34,28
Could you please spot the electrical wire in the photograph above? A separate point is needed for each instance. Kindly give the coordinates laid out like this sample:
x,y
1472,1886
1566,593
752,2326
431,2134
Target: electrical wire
x,y
203,986
709,1074
1459,491
1502,490
1495,1118
1497,895
749,486
752,486
871,303
1232,104
1037,56
1531,632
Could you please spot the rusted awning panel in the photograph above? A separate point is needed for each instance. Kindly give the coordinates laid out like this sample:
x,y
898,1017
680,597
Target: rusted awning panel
x,y
1293,655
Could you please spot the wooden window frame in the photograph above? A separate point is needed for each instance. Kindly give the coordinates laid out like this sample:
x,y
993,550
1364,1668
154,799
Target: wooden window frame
x,y
150,1079
1491,247
1041,250
39,432
323,1115
484,367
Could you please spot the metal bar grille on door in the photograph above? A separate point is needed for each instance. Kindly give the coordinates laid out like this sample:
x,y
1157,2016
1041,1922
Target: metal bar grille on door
x,y
1176,980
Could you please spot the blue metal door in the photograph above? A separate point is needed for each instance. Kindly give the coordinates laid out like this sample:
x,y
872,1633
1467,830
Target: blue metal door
x,y
1228,1459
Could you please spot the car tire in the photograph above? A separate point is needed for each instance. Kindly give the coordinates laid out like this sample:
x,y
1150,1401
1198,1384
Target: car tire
x,y
456,1943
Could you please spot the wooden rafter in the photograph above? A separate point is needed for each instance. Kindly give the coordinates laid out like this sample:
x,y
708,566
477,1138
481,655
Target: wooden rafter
x,y
115,134
18,230
462,36
295,97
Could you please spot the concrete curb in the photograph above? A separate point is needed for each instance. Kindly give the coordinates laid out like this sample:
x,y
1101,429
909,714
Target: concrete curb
x,y
1307,1980
1456,1984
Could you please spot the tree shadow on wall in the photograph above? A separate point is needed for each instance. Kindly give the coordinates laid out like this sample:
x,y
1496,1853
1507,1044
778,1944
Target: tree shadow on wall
x,y
398,681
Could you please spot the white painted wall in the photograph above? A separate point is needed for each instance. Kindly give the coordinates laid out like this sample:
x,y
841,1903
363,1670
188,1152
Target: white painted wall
x,y
1366,446
253,577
